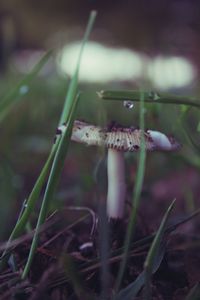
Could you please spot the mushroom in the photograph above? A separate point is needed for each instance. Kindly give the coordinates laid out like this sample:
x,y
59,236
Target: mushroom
x,y
117,140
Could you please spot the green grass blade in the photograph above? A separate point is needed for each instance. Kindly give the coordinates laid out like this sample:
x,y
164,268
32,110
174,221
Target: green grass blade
x,y
20,225
194,293
14,96
30,205
152,254
68,114
33,197
149,97
53,179
185,129
74,82
72,274
136,199
133,289
37,188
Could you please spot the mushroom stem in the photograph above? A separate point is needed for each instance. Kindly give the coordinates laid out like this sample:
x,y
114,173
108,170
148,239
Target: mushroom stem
x,y
116,184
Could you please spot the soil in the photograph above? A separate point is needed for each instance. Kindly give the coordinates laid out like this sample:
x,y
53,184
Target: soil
x,y
67,265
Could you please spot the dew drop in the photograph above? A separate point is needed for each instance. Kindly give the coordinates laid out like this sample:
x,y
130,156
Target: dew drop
x,y
23,89
128,104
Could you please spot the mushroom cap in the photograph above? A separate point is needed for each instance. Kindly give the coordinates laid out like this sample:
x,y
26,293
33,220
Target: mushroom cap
x,y
88,134
122,138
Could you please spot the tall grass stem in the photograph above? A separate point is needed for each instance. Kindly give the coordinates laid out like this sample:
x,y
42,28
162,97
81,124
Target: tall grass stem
x,y
136,199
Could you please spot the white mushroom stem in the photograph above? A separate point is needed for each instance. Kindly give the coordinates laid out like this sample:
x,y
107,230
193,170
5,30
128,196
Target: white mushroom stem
x,y
116,184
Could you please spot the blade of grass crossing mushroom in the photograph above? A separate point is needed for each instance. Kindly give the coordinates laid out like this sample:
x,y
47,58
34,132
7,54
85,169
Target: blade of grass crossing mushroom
x,y
136,198
152,254
17,92
30,205
53,179
74,81
194,293
149,97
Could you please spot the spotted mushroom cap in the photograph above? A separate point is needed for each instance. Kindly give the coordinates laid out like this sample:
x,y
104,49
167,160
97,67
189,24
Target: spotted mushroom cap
x,y
121,138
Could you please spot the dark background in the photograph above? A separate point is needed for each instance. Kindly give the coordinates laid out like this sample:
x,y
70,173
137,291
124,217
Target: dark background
x,y
167,27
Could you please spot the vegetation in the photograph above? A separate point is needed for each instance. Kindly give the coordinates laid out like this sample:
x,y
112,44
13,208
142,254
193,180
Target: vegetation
x,y
52,248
